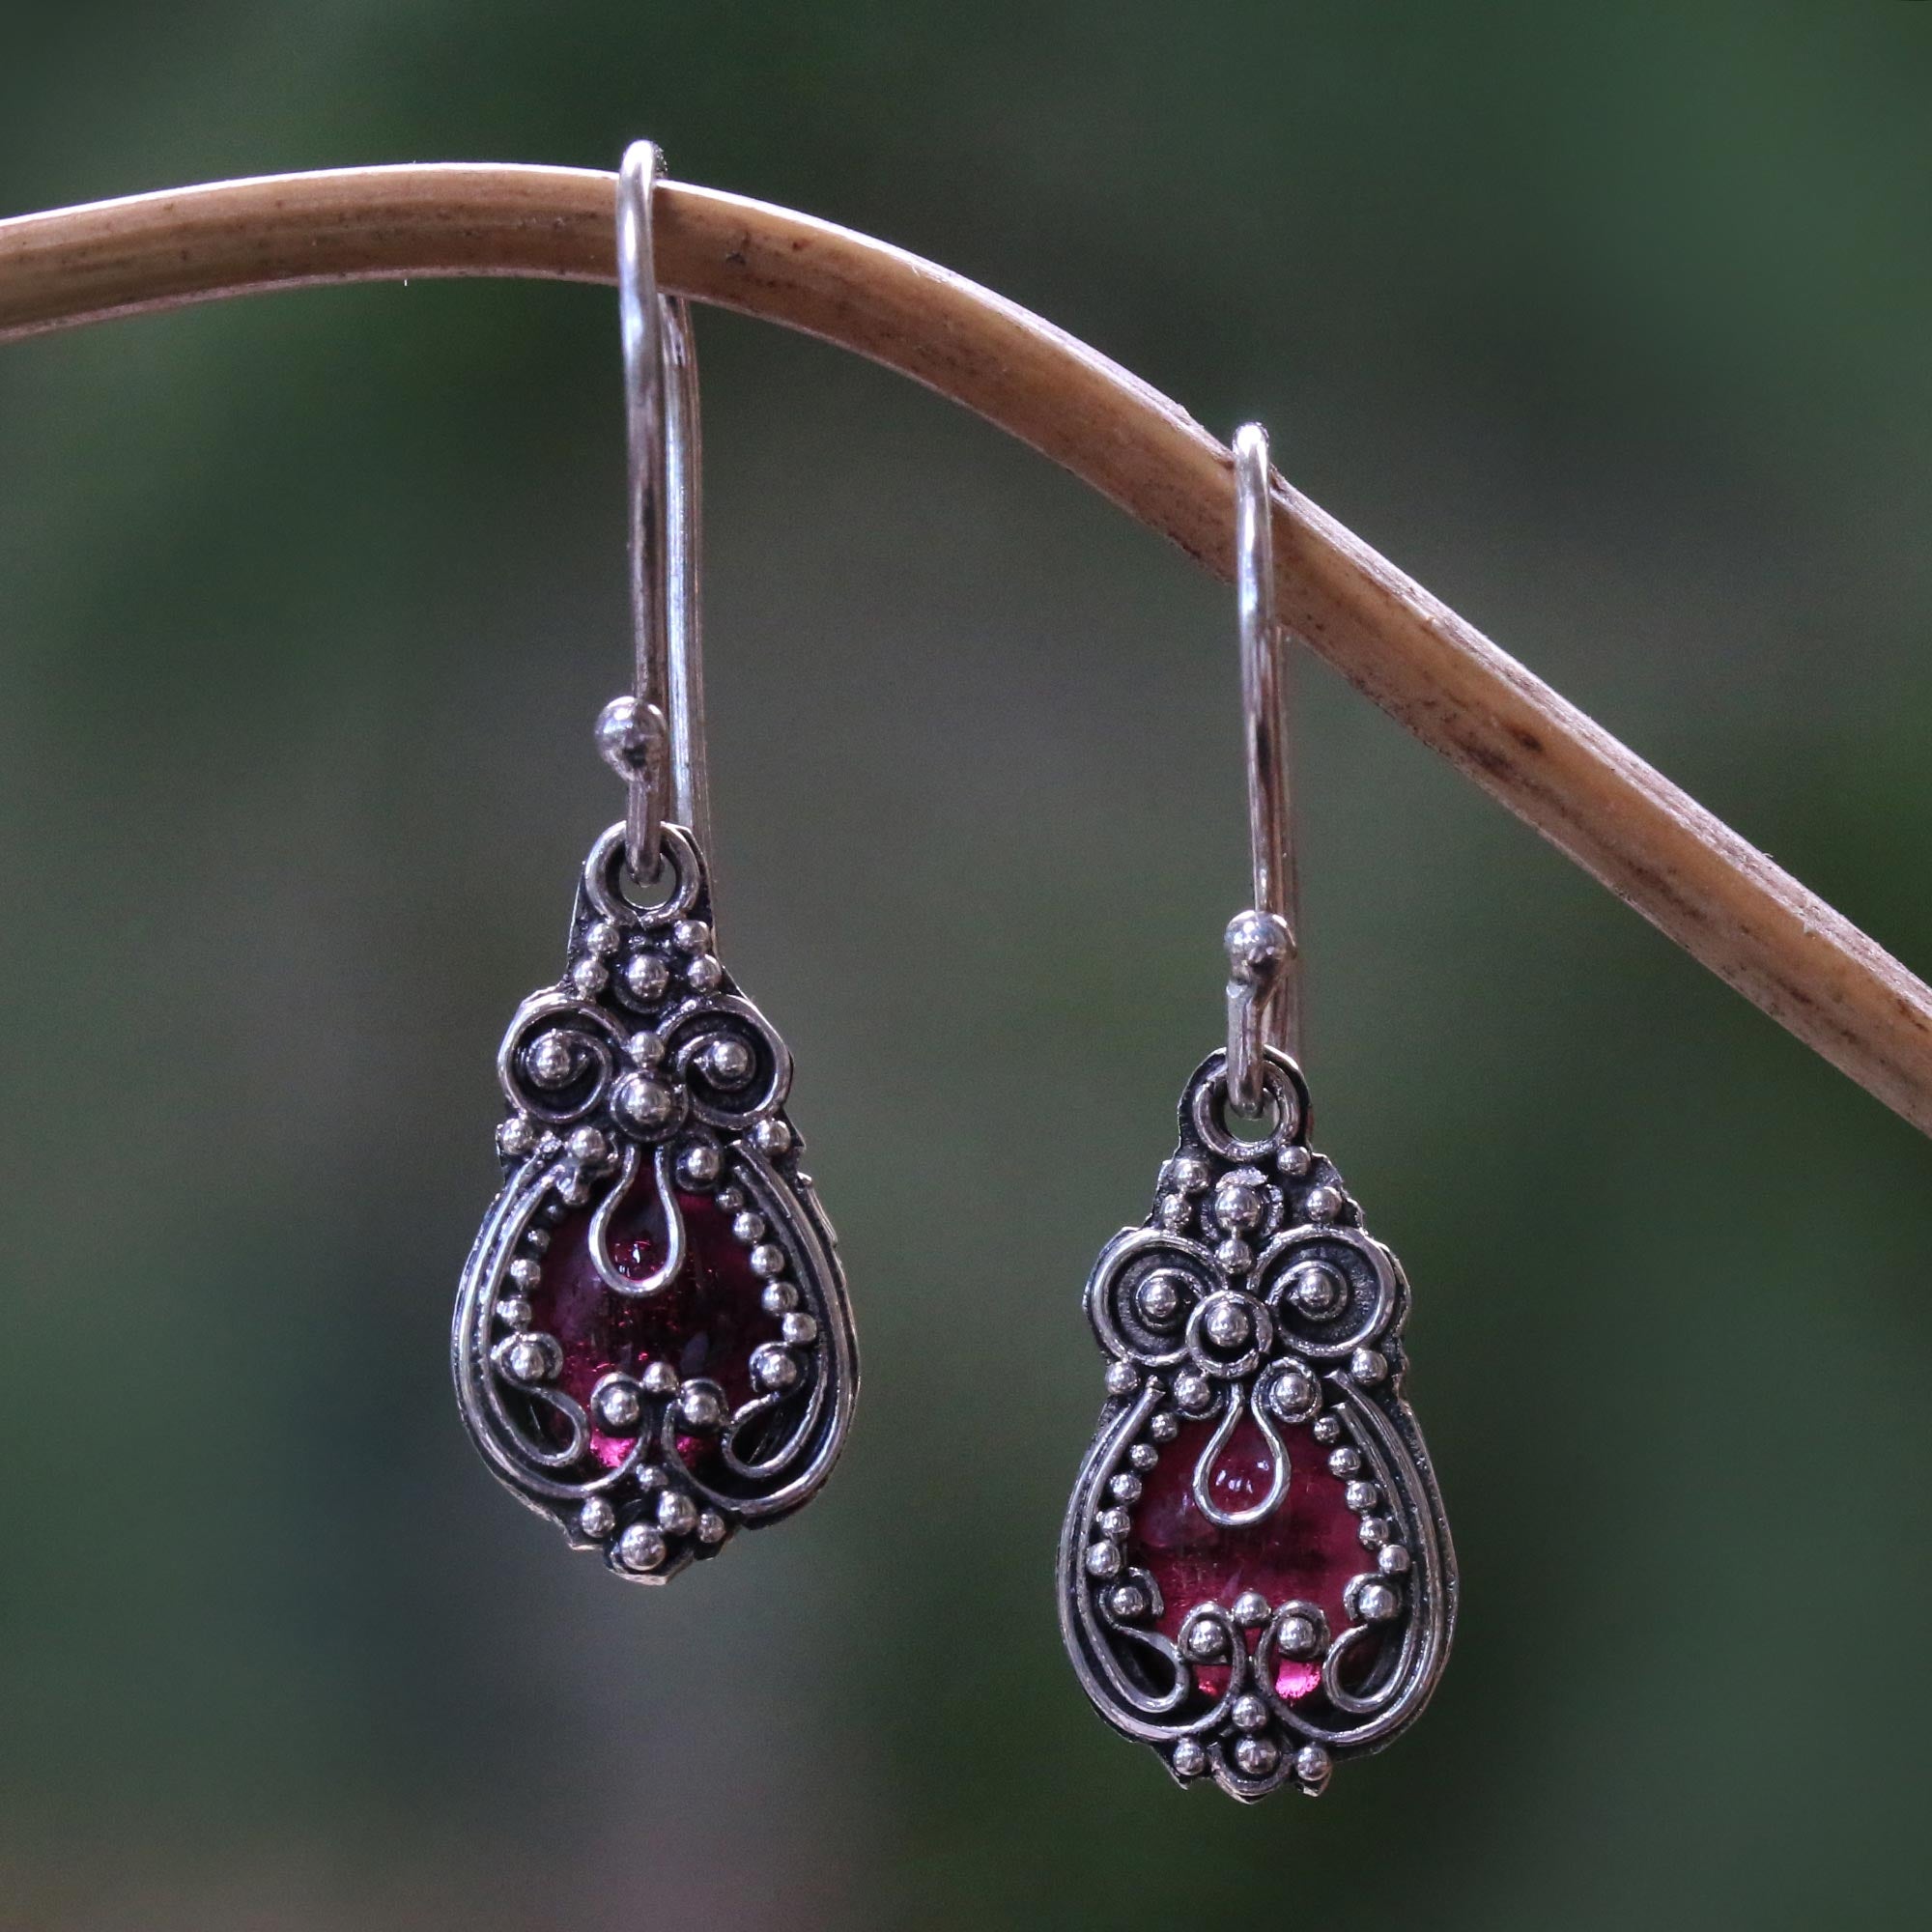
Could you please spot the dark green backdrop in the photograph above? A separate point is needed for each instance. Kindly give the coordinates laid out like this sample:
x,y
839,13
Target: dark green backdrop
x,y
1609,323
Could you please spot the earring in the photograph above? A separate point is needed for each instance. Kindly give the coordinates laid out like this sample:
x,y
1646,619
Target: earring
x,y
1255,1575
652,1344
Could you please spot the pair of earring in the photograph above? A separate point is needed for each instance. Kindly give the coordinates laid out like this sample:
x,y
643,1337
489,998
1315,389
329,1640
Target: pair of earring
x,y
652,1341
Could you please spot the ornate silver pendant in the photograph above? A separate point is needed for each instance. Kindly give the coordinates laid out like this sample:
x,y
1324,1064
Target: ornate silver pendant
x,y
1255,1575
652,1343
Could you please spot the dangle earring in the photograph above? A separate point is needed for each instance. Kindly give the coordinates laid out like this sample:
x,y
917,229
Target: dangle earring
x,y
1255,1575
652,1344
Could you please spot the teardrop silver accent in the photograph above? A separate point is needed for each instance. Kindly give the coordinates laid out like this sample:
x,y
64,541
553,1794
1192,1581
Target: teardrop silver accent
x,y
1200,1486
645,1089
672,1266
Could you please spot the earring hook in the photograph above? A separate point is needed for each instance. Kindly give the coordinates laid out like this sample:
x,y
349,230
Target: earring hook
x,y
654,738
1264,943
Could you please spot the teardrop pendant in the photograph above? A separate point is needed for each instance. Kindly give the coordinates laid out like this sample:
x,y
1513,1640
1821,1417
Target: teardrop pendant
x,y
652,1343
1255,1575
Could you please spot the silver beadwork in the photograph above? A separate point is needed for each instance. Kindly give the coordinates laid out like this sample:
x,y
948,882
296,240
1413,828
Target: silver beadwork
x,y
1300,1369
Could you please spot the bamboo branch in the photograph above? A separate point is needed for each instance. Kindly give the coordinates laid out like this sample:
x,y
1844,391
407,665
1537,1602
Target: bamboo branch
x,y
1723,901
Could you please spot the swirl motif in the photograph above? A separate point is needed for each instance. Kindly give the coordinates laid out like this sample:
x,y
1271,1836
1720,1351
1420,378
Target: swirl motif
x,y
652,1343
1256,1575
736,1067
558,1060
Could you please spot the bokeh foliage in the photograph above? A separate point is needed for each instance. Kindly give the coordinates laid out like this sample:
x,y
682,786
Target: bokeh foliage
x,y
1606,322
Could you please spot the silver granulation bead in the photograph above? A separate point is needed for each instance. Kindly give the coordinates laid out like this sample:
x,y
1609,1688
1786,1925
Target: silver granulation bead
x,y
727,1062
1206,1640
1186,1173
699,1408
617,1408
648,976
640,1548
1300,1637
698,1165
1295,1394
1377,1603
549,1059
527,1359
1157,1298
1241,1200
1235,1255
1324,1203
772,1368
645,1102
1191,1390
1225,1321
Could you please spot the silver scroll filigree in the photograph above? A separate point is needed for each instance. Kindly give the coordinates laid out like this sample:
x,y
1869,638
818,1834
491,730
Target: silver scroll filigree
x,y
1253,1300
645,1079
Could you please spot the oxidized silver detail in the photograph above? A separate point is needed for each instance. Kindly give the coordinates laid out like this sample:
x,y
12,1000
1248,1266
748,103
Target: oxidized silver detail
x,y
580,1133
1285,1342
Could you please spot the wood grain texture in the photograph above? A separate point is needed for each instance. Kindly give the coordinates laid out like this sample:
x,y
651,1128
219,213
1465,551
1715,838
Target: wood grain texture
x,y
1661,852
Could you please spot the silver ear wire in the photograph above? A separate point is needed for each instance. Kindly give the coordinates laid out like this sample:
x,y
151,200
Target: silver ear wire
x,y
1264,943
654,737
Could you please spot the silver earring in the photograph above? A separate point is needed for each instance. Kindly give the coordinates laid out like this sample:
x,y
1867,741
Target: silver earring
x,y
652,1344
1256,1576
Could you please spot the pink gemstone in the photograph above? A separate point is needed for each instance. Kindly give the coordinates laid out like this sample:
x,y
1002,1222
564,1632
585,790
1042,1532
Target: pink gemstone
x,y
1308,1550
706,1323
1293,1681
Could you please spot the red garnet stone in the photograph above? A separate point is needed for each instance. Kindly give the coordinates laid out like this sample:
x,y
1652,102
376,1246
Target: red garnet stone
x,y
1307,1550
706,1323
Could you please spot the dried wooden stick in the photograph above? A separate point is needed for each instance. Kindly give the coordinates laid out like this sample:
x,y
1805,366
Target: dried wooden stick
x,y
1723,901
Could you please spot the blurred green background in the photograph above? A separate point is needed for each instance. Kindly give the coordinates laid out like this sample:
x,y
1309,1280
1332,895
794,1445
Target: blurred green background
x,y
1608,324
